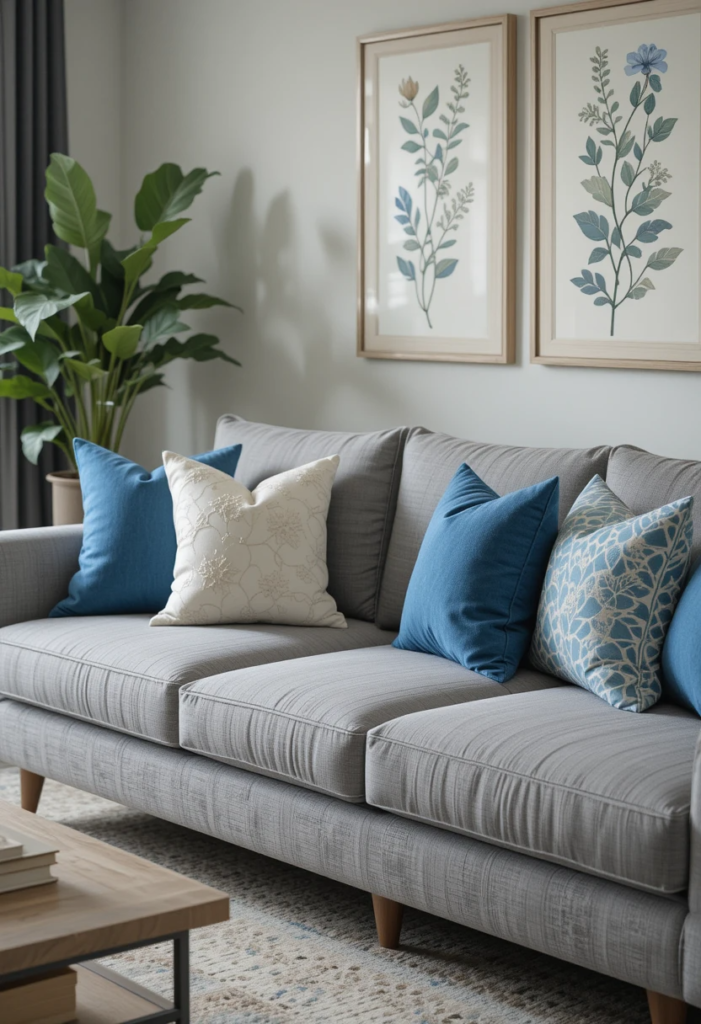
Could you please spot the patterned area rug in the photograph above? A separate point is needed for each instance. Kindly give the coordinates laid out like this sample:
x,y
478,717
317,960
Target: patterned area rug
x,y
300,948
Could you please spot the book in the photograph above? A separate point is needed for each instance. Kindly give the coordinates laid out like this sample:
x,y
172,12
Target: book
x,y
10,849
14,880
35,853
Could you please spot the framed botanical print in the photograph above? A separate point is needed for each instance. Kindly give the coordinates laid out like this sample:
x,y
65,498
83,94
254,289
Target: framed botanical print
x,y
437,192
616,216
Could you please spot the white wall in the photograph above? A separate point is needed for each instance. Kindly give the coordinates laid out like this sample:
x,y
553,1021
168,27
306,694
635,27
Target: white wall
x,y
264,91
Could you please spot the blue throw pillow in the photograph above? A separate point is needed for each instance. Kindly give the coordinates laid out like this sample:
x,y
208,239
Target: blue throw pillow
x,y
681,654
129,546
474,591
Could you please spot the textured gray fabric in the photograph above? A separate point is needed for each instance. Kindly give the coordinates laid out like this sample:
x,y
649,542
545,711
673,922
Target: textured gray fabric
x,y
610,928
362,501
305,721
691,959
35,569
429,463
646,482
116,670
695,818
559,775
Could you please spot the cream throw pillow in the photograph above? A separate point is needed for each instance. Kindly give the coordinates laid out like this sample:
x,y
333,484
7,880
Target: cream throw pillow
x,y
250,556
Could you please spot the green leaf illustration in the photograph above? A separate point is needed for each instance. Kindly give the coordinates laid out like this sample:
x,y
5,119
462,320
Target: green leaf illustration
x,y
627,173
599,189
648,200
663,258
430,104
411,245
597,255
662,129
452,165
625,145
590,223
635,94
444,268
655,83
411,147
409,126
634,251
649,104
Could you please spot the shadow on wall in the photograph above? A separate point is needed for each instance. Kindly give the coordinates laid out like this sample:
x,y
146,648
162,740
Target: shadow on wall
x,y
296,360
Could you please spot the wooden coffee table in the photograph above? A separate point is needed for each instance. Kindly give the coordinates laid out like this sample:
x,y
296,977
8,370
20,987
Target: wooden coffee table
x,y
105,902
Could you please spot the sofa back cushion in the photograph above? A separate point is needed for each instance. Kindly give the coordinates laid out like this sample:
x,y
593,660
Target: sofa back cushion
x,y
363,498
430,461
645,481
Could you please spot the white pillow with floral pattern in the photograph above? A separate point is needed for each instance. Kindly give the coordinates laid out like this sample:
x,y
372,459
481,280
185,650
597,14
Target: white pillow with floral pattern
x,y
250,556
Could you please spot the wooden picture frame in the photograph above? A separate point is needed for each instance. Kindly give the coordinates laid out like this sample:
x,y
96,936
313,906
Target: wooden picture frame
x,y
649,320
401,313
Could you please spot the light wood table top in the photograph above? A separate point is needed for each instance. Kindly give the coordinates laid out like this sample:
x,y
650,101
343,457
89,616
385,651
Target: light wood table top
x,y
104,898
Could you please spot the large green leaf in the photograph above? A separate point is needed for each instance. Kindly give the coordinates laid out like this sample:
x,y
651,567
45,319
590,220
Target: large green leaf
x,y
32,307
151,302
41,357
163,322
32,273
34,437
137,263
167,192
10,281
65,273
88,371
23,387
122,341
72,205
13,338
167,228
173,279
8,314
198,300
200,347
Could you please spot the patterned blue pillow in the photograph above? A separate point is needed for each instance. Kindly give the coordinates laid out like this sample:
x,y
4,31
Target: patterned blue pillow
x,y
609,594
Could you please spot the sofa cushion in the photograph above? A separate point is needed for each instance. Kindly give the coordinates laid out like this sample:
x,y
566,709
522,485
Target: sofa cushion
x,y
362,501
306,721
114,670
645,481
429,463
558,775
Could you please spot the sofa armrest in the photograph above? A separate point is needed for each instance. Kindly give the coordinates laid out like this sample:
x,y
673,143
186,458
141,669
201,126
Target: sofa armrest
x,y
35,569
695,862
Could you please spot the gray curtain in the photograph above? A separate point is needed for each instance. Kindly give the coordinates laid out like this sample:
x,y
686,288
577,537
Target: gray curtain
x,y
33,124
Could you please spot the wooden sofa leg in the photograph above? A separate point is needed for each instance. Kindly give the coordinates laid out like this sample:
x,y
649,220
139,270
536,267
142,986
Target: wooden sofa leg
x,y
666,1009
30,786
388,920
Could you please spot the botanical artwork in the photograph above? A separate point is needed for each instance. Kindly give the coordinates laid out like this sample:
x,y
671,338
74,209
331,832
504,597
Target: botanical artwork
x,y
432,213
629,179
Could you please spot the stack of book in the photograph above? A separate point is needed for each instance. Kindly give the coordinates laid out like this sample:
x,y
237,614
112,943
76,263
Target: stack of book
x,y
24,861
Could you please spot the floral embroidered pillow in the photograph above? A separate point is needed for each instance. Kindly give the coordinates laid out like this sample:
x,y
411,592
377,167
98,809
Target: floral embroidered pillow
x,y
250,556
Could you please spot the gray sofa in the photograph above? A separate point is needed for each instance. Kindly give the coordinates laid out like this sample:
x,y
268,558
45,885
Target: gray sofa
x,y
532,810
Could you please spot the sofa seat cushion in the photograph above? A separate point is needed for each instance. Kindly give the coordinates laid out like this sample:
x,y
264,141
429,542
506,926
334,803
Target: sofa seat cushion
x,y
306,721
116,671
558,775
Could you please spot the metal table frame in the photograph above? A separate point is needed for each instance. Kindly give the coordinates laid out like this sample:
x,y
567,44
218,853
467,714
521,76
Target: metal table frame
x,y
178,1013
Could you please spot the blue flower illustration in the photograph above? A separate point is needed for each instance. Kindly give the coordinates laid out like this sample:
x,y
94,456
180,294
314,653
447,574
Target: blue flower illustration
x,y
645,60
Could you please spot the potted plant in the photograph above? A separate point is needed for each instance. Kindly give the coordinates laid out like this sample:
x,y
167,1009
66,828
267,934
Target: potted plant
x,y
88,335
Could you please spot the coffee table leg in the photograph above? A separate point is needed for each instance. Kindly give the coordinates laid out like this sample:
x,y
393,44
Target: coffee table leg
x,y
181,976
